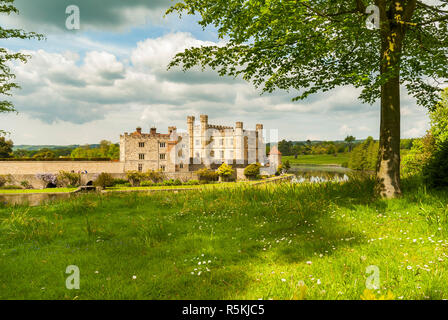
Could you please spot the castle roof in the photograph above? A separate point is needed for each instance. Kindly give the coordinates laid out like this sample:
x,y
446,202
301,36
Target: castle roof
x,y
275,151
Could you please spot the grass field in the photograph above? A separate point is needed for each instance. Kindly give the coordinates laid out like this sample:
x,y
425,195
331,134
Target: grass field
x,y
283,241
320,159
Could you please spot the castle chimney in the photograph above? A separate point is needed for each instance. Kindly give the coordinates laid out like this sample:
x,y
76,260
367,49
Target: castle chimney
x,y
259,127
239,125
139,130
153,131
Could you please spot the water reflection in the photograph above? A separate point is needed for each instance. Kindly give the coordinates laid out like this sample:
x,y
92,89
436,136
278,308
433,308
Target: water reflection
x,y
319,174
32,199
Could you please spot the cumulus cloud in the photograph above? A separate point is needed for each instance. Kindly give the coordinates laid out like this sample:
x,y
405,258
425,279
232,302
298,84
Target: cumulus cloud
x,y
98,87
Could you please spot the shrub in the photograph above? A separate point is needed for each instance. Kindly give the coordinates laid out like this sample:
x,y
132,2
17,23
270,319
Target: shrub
x,y
135,177
104,180
252,171
192,182
172,182
2,180
116,182
123,185
435,172
206,174
47,178
26,185
287,165
364,156
279,170
147,183
225,171
69,178
419,155
155,176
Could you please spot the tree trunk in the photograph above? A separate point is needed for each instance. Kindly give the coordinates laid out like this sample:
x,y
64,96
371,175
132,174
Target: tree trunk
x,y
388,165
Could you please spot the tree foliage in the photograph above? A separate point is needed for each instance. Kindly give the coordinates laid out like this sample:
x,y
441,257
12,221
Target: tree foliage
x,y
7,77
225,171
105,150
364,156
423,156
252,170
5,148
314,46
206,174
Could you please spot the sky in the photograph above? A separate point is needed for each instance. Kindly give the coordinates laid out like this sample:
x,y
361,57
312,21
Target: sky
x,y
110,76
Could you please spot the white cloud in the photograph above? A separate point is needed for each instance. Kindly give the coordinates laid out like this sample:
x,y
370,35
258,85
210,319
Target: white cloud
x,y
104,94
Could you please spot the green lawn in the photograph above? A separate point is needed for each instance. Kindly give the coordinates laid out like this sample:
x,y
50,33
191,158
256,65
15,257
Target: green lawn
x,y
271,242
49,190
319,159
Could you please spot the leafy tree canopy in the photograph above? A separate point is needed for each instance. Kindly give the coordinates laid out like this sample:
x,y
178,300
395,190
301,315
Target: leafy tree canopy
x,y
6,56
317,45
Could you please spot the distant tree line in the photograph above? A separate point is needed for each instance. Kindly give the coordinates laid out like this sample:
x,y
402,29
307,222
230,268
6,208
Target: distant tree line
x,y
104,150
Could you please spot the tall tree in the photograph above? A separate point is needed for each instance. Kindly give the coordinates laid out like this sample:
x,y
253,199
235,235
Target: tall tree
x,y
6,56
350,140
316,45
5,148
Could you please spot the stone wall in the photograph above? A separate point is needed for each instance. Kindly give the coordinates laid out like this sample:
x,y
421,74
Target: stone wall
x,y
34,167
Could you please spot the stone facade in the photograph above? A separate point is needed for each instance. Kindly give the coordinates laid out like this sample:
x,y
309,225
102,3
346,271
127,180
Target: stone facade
x,y
203,145
178,154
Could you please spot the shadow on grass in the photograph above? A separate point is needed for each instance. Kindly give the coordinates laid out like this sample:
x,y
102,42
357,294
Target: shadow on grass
x,y
168,239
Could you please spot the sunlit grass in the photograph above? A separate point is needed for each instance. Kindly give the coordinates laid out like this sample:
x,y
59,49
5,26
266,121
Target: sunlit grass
x,y
310,241
318,159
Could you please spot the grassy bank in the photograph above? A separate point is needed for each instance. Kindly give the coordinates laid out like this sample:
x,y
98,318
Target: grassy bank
x,y
320,159
275,242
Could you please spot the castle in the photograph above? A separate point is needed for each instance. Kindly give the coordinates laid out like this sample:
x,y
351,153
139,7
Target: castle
x,y
203,145
178,154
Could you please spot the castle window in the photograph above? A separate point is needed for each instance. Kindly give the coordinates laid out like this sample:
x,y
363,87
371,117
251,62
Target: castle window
x,y
212,153
162,144
221,154
140,167
221,142
162,168
162,156
198,142
181,166
141,144
141,156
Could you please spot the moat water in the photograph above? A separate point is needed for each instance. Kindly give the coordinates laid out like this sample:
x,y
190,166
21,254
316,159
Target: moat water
x,y
32,199
318,173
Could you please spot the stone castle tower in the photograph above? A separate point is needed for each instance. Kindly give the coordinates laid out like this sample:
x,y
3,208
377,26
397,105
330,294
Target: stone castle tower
x,y
203,145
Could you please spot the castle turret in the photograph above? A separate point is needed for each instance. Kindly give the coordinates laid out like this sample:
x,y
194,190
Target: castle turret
x,y
204,138
259,145
190,122
275,158
239,143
